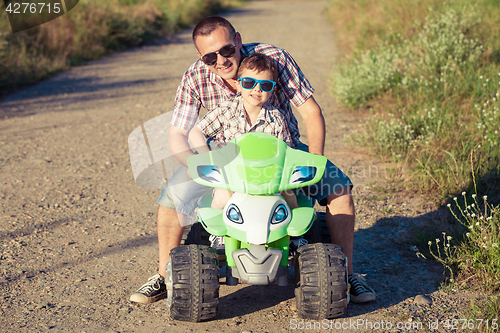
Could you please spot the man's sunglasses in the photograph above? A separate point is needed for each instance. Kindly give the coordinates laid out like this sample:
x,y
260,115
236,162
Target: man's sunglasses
x,y
249,83
226,51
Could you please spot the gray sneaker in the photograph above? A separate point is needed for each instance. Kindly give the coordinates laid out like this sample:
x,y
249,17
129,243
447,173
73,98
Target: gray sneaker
x,y
152,291
359,291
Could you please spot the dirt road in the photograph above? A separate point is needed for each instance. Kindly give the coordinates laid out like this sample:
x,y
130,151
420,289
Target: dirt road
x,y
77,236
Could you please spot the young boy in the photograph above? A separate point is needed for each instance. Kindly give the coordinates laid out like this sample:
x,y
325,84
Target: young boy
x,y
248,111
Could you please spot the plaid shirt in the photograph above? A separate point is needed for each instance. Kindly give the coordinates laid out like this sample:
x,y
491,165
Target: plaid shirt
x,y
229,120
200,87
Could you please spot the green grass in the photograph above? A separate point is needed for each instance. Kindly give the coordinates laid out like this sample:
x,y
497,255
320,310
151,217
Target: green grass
x,y
91,30
432,91
486,313
427,75
434,100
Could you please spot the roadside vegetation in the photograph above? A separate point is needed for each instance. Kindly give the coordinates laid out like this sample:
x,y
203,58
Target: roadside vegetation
x,y
91,30
426,77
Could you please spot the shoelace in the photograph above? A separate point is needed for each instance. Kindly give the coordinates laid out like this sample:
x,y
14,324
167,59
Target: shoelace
x,y
152,284
302,241
214,240
358,287
299,241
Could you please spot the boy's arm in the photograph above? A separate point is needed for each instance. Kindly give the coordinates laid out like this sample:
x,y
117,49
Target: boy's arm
x,y
197,139
315,125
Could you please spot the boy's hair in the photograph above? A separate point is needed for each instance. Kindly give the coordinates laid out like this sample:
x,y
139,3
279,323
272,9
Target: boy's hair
x,y
259,62
206,26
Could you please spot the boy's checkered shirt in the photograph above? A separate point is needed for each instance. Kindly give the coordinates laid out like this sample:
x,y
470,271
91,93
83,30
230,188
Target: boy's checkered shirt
x,y
229,120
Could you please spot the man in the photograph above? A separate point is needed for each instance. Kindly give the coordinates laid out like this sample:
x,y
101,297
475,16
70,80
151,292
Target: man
x,y
208,82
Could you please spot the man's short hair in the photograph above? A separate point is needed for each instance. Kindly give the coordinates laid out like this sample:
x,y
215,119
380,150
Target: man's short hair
x,y
206,26
259,62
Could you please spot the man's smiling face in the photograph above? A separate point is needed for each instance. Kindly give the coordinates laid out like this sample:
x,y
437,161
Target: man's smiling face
x,y
226,68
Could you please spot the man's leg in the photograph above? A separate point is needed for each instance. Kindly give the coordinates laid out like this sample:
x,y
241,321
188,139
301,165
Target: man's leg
x,y
170,226
340,219
183,194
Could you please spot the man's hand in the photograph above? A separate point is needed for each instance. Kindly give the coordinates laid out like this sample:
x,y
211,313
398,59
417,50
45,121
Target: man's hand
x,y
315,125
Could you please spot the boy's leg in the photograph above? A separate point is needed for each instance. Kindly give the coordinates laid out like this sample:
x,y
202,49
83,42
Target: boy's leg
x,y
290,198
220,198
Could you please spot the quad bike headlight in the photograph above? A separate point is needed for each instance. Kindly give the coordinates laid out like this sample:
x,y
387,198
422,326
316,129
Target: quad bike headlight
x,y
233,214
280,214
302,174
210,173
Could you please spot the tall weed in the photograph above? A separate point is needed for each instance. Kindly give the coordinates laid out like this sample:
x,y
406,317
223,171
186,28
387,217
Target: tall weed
x,y
475,257
361,25
91,30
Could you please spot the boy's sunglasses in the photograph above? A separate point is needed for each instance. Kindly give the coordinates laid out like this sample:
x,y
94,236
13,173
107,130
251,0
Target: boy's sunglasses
x,y
249,83
226,51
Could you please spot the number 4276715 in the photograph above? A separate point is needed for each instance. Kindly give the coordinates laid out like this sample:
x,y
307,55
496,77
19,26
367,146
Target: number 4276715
x,y
464,324
33,8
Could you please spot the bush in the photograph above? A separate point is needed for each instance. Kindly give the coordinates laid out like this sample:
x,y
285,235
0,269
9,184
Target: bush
x,y
444,101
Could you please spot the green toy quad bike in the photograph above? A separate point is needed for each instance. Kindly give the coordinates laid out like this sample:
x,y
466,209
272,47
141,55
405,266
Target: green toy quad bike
x,y
257,225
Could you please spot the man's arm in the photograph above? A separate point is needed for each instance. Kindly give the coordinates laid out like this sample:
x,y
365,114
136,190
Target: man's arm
x,y
179,145
315,125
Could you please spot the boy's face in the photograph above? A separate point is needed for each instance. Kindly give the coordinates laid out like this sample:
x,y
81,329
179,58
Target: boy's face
x,y
226,68
255,97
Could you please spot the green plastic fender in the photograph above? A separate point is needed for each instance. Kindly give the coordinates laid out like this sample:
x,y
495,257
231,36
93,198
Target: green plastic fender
x,y
254,163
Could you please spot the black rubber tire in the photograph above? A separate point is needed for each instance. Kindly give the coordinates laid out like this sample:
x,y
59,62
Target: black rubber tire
x,y
195,283
322,290
197,235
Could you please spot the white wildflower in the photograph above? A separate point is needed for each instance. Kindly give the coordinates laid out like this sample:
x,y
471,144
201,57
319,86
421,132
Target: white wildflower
x,y
455,198
437,240
473,196
448,205
463,193
485,197
467,234
448,238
